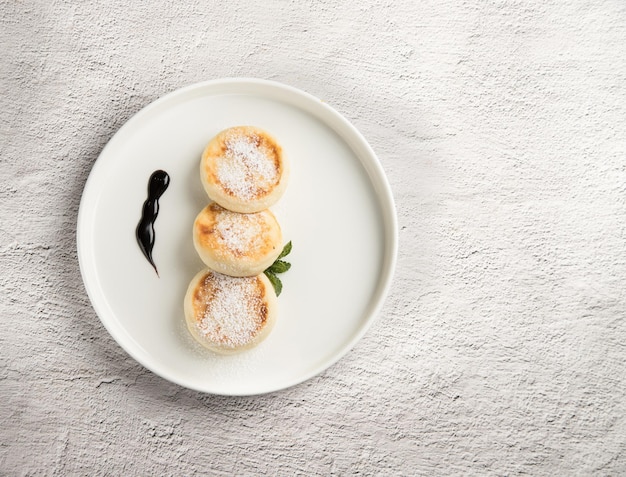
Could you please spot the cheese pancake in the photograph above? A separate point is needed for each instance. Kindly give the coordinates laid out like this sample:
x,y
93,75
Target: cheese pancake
x,y
229,314
239,245
244,169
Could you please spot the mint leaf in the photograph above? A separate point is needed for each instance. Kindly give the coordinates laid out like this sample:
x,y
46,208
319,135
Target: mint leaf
x,y
279,266
286,251
275,281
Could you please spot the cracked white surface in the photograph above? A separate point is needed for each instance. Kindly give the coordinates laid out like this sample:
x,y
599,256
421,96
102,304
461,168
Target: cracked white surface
x,y
500,351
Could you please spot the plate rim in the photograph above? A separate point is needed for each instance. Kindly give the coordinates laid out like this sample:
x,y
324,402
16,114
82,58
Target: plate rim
x,y
372,166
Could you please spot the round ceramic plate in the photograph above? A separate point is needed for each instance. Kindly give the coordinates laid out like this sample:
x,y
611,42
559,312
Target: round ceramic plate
x,y
338,212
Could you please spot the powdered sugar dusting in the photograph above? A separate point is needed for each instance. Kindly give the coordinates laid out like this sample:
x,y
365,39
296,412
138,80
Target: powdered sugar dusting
x,y
247,168
239,233
234,310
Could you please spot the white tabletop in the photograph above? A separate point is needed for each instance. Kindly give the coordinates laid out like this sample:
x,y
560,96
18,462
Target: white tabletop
x,y
500,350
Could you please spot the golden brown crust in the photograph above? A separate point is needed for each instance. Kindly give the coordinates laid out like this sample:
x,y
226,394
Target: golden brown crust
x,y
244,169
236,244
227,314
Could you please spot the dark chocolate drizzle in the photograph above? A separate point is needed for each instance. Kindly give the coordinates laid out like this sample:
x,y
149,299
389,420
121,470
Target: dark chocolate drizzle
x,y
158,183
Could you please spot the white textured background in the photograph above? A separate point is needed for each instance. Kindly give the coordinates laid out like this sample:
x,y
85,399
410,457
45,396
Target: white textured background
x,y
501,349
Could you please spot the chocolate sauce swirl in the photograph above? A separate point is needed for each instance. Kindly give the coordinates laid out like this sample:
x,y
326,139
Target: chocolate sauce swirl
x,y
158,183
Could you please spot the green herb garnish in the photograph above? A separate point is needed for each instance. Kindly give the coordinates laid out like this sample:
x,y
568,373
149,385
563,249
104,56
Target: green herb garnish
x,y
279,266
275,281
286,251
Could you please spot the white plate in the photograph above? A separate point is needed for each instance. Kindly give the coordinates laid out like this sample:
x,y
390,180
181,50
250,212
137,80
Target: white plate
x,y
338,211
